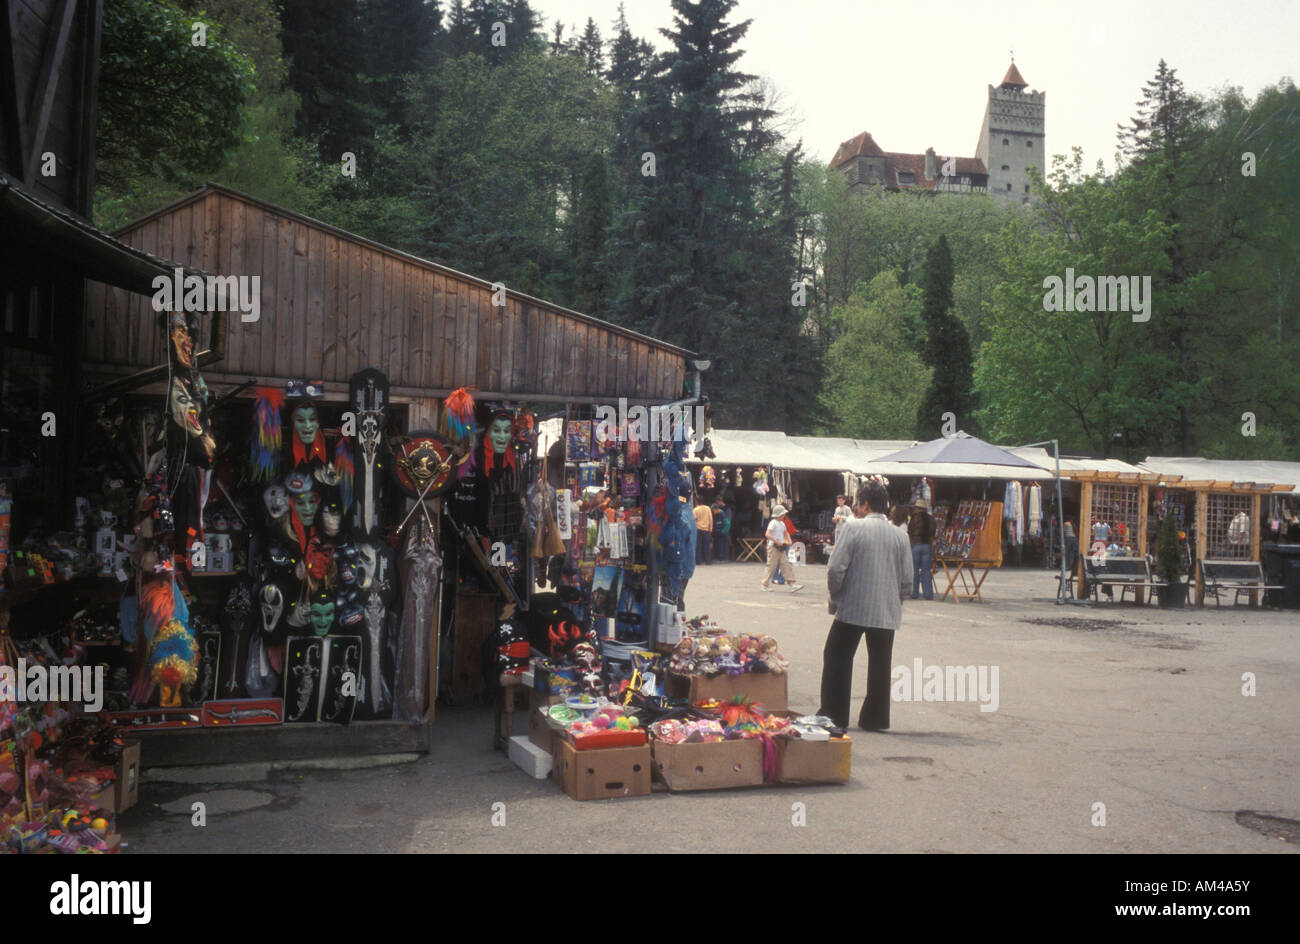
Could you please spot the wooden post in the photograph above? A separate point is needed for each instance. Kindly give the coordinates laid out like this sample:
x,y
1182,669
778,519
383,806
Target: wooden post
x,y
1143,493
1202,510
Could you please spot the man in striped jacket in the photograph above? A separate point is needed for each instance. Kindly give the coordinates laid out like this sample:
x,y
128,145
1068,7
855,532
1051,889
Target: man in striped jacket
x,y
869,574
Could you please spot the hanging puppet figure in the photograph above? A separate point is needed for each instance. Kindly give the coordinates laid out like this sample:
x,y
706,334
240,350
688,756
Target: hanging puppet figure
x,y
187,397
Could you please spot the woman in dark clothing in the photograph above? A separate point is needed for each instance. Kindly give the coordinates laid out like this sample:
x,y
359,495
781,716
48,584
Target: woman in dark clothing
x,y
919,533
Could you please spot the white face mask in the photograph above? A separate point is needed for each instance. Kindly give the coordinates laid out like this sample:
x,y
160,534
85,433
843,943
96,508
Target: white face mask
x,y
276,499
331,521
367,566
271,601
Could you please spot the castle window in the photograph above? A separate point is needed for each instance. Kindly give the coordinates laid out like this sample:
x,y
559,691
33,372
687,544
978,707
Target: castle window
x,y
1005,141
1029,144
1008,188
1006,167
1026,188
905,179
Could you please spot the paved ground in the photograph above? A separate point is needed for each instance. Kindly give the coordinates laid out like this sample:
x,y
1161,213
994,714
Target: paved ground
x,y
1139,709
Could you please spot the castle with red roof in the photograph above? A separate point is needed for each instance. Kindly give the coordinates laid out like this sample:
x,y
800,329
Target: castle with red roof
x,y
1012,139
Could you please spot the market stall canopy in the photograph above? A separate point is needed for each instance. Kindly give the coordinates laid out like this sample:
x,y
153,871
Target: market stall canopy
x,y
1226,474
958,456
1082,467
768,447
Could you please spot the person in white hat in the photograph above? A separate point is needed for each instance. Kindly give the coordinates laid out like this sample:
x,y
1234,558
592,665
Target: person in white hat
x,y
778,544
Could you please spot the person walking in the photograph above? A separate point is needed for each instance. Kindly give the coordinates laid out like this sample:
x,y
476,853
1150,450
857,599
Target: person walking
x,y
778,544
920,535
703,532
721,530
869,573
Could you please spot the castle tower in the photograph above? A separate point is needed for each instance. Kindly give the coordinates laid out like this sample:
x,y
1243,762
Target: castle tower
x,y
1013,137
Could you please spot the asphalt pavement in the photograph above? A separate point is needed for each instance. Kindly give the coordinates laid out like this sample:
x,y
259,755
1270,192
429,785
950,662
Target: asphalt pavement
x,y
1117,728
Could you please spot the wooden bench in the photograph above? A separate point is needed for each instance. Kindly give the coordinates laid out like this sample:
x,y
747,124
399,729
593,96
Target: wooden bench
x,y
1220,576
1128,573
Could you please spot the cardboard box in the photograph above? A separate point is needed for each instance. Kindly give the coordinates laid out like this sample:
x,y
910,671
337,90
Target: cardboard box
x,y
769,689
714,765
539,731
800,761
549,680
530,758
125,791
601,775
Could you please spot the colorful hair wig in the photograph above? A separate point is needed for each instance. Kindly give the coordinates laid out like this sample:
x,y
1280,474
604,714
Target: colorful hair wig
x,y
458,417
265,457
174,656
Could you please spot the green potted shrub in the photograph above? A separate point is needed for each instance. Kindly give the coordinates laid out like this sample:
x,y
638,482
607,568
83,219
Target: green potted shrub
x,y
1169,564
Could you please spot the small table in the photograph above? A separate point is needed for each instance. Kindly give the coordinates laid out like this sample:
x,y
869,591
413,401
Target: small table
x,y
751,549
970,572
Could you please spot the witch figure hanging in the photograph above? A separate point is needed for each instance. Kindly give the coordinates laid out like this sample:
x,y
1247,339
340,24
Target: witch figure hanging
x,y
190,446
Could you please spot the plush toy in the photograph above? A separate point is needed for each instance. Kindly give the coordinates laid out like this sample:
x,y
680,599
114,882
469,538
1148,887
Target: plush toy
x,y
728,658
682,661
770,655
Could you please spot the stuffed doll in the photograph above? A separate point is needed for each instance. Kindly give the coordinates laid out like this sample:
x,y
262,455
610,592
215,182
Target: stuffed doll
x,y
682,661
705,663
728,657
770,655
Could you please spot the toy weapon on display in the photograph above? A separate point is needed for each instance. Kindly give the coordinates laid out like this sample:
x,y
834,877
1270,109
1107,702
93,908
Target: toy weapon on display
x,y
423,469
236,715
368,396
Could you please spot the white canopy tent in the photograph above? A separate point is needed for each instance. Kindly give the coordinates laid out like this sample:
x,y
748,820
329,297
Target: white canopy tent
x,y
1258,472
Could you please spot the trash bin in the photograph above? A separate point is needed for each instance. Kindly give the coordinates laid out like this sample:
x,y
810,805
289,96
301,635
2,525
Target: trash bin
x,y
1282,567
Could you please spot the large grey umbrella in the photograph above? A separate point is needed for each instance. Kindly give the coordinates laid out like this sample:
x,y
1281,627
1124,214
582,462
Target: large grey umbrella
x,y
960,447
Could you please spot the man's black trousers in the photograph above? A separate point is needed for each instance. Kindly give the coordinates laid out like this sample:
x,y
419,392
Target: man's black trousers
x,y
837,674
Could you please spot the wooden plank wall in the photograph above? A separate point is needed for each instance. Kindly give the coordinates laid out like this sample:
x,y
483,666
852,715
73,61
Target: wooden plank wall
x,y
331,306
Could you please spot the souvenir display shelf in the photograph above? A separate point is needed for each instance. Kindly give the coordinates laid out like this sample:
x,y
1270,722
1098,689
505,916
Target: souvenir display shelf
x,y
974,532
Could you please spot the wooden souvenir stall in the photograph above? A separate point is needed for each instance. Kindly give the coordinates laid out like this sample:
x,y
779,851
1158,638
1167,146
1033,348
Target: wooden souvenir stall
x,y
1113,509
50,257
332,306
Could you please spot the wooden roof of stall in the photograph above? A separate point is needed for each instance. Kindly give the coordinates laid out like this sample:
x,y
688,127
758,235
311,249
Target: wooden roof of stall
x,y
333,303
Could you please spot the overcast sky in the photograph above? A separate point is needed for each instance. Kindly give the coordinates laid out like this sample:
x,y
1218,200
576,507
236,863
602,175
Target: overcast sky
x,y
919,80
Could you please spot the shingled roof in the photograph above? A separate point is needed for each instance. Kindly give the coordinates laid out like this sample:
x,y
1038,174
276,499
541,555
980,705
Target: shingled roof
x,y
914,164
1013,79
861,146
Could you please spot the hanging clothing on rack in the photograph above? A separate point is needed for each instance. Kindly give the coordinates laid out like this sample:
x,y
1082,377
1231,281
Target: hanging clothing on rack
x,y
1035,511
